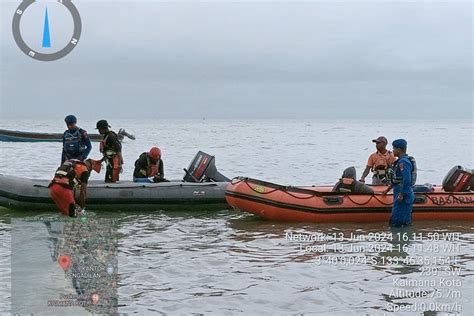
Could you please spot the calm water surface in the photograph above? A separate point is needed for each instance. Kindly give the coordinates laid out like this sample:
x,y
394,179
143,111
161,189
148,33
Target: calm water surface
x,y
227,262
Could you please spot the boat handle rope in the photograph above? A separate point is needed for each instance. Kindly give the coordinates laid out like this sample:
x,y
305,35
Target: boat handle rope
x,y
365,203
310,193
279,188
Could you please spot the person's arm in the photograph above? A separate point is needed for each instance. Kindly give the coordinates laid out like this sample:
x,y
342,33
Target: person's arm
x,y
389,187
87,142
161,173
63,157
140,167
83,193
370,164
405,168
365,174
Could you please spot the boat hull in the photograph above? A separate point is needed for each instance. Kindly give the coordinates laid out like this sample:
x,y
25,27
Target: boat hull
x,y
320,205
33,195
16,136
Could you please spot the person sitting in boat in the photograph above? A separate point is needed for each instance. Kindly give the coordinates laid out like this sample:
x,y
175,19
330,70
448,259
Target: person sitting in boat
x,y
379,162
68,176
349,184
111,148
149,167
76,142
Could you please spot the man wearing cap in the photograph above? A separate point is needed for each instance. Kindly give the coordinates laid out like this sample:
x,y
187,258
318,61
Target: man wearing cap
x,y
379,162
76,142
111,148
402,183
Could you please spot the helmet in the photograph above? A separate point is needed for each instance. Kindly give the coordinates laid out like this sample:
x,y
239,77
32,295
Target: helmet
x,y
155,153
102,124
70,119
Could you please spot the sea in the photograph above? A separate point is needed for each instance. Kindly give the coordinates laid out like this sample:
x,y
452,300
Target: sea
x,y
227,262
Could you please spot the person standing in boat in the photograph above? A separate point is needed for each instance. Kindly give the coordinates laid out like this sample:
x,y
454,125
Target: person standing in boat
x,y
71,174
149,167
76,142
111,148
379,162
402,183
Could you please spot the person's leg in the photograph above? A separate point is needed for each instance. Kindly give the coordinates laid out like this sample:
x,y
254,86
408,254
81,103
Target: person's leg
x,y
401,214
141,180
116,168
108,173
376,181
406,211
63,198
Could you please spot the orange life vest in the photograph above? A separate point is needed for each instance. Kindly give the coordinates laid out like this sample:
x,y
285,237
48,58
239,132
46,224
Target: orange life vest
x,y
152,170
69,173
382,163
346,185
107,151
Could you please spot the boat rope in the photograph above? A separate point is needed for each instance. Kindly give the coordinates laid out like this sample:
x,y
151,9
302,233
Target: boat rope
x,y
439,202
358,203
310,193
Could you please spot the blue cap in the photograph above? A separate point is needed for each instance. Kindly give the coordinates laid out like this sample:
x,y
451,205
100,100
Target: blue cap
x,y
399,143
70,119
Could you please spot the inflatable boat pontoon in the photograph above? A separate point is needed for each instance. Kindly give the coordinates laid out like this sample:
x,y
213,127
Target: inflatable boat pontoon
x,y
203,188
454,200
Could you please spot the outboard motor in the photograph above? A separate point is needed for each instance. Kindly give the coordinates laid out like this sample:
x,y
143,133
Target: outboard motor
x,y
459,179
123,133
203,169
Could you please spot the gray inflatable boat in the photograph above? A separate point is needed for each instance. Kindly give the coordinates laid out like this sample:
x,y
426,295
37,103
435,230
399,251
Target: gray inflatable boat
x,y
203,188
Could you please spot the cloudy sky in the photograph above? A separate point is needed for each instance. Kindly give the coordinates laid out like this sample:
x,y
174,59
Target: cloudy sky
x,y
313,59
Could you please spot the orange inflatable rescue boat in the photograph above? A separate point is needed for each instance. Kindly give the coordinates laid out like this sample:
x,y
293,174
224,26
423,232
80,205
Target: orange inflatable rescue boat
x,y
454,200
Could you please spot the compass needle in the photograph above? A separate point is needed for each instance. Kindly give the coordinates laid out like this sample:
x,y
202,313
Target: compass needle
x,y
46,35
69,41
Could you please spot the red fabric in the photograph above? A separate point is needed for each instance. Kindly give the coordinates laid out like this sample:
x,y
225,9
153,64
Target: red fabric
x,y
116,167
153,171
62,196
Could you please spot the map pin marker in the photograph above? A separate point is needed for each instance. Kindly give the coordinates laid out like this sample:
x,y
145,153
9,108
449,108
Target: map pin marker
x,y
64,261
110,270
95,298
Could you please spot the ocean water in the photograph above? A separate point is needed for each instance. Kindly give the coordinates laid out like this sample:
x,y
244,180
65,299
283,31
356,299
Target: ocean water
x,y
228,262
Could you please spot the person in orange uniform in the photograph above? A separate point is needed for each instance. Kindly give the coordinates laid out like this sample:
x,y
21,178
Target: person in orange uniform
x,y
111,148
379,162
149,167
68,176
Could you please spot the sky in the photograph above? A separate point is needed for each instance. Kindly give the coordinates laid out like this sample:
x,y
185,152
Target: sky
x,y
247,59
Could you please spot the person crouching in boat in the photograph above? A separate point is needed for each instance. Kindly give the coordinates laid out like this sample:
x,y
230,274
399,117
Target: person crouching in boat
x,y
76,142
68,176
402,183
379,162
111,148
348,183
149,167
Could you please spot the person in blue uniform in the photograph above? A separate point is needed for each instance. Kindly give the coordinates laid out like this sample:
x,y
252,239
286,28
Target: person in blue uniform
x,y
402,184
76,143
